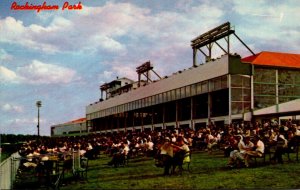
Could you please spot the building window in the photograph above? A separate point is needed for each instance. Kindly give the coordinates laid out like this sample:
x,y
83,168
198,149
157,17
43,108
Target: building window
x,y
173,94
164,97
178,93
264,75
204,87
133,105
152,102
145,102
215,84
265,89
187,91
240,94
122,108
224,82
264,101
247,106
236,107
182,92
193,90
141,103
198,88
237,94
247,94
160,98
169,97
236,81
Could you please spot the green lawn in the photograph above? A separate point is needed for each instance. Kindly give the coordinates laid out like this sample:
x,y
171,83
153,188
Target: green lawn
x,y
208,172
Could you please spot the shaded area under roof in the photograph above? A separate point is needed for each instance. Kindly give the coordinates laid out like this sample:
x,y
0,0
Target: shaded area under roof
x,y
266,58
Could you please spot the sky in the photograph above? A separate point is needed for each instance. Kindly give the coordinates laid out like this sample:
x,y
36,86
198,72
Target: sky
x,y
61,57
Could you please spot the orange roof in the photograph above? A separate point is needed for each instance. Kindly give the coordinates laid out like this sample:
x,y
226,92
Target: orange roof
x,y
274,59
77,121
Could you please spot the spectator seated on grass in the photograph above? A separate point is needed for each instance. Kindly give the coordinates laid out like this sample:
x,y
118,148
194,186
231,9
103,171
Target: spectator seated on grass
x,y
259,148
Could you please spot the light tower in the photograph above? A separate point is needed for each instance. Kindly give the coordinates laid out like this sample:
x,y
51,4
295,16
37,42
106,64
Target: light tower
x,y
38,105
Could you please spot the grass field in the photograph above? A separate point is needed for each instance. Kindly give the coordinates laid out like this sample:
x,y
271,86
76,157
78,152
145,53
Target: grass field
x,y
207,172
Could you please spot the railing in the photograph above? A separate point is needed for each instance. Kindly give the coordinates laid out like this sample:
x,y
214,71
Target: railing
x,y
8,171
11,166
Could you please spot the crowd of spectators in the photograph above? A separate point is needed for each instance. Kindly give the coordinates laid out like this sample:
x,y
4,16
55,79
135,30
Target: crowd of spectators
x,y
239,141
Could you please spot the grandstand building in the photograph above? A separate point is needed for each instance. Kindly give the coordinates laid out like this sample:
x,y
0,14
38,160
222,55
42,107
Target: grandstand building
x,y
75,127
220,91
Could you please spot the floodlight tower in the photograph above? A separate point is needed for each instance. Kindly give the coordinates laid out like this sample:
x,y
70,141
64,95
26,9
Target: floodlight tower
x,y
38,105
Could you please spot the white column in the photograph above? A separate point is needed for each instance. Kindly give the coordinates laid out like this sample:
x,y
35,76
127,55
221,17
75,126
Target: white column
x,y
229,98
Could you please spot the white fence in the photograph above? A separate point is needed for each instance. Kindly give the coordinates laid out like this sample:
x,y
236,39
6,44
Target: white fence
x,y
8,171
10,166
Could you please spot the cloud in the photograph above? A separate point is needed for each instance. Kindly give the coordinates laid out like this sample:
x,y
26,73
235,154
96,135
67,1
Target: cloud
x,y
117,70
105,43
125,71
14,32
41,73
38,73
117,28
162,37
22,125
106,75
7,75
111,27
11,108
48,39
270,25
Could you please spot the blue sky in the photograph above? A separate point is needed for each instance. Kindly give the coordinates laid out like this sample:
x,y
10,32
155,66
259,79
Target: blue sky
x,y
61,57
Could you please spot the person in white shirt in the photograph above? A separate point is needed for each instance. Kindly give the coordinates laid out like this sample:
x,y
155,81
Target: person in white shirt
x,y
258,152
236,156
212,141
295,130
149,147
126,150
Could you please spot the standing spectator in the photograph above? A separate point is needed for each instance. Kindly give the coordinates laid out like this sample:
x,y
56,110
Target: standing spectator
x,y
281,146
166,150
